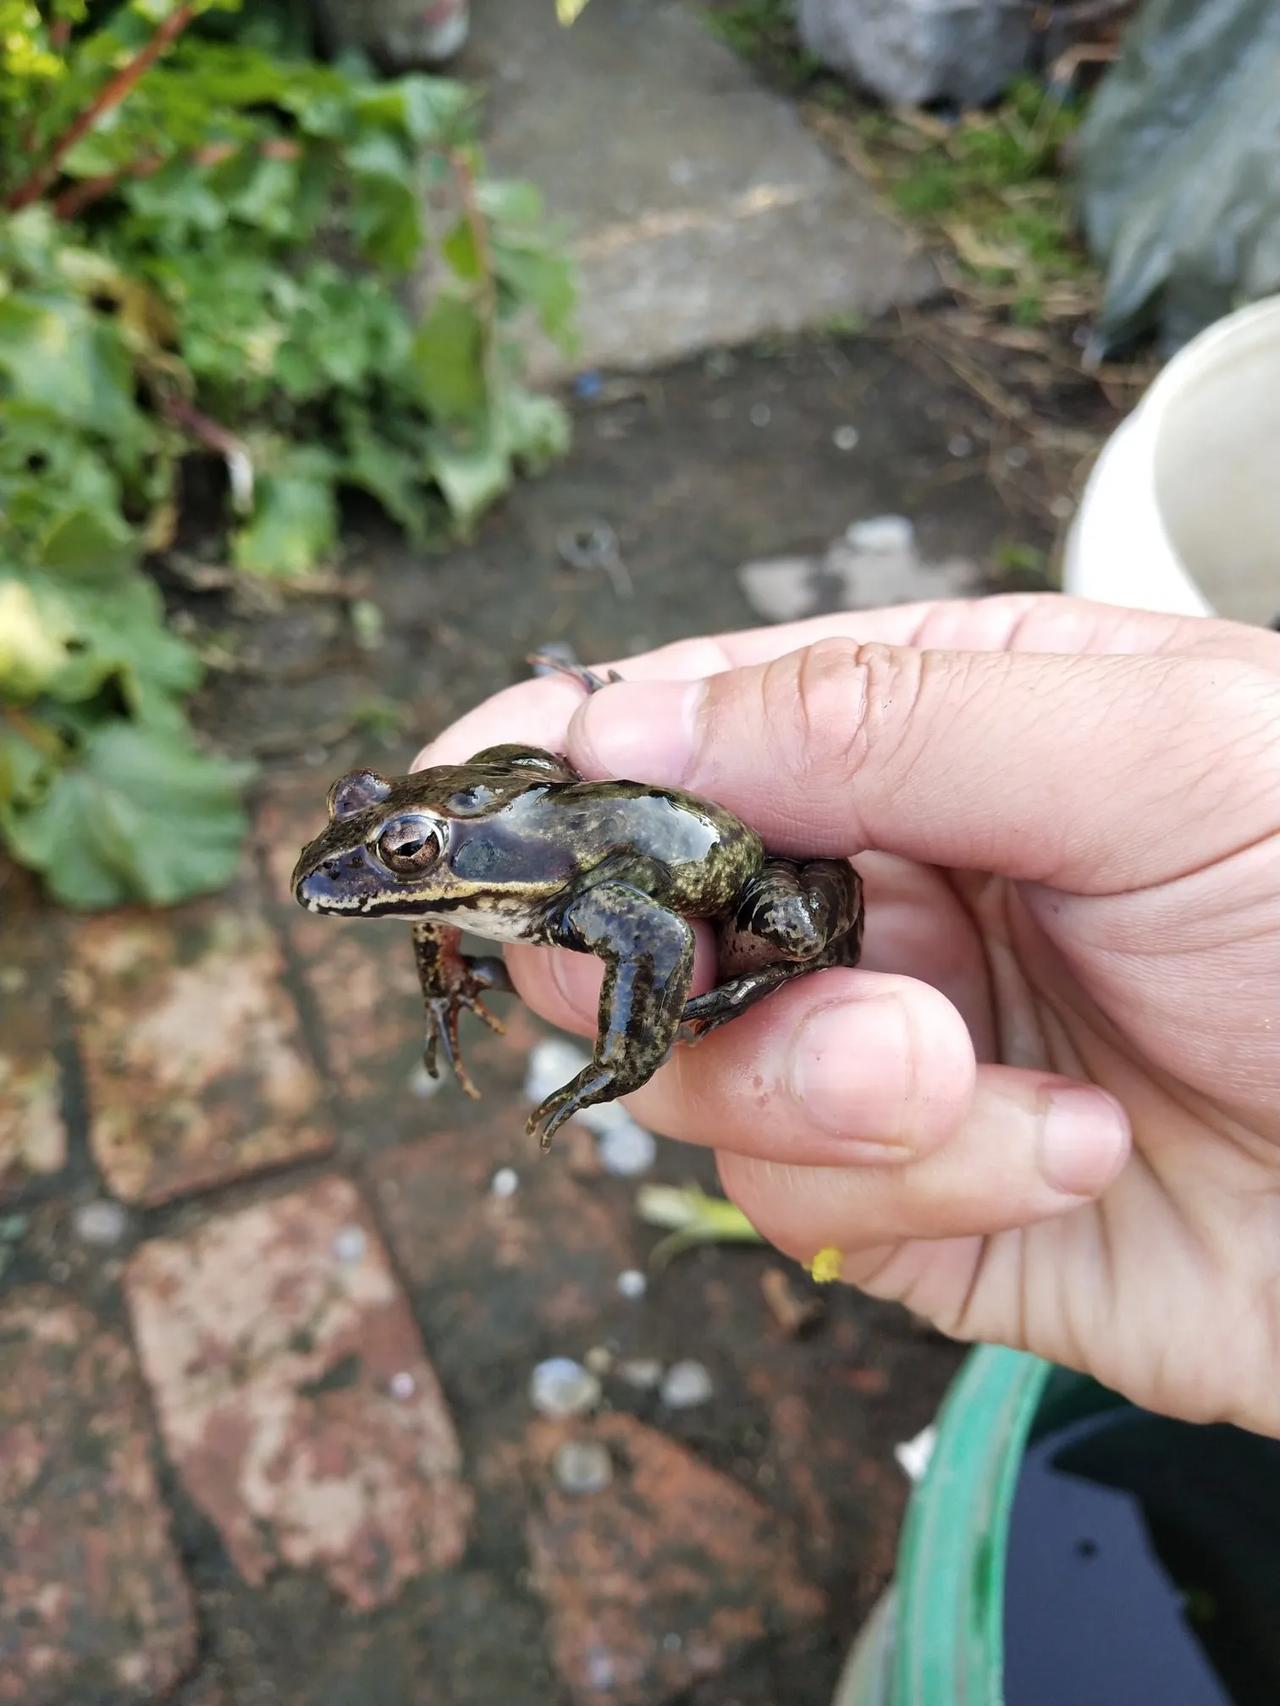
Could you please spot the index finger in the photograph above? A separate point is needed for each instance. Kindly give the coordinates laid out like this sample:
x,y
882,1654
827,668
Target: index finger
x,y
537,711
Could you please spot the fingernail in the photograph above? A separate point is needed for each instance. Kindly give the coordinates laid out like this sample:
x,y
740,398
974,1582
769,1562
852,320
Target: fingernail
x,y
639,730
1084,1136
848,1073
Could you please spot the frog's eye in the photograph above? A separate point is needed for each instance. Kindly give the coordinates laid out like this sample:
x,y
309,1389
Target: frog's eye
x,y
409,844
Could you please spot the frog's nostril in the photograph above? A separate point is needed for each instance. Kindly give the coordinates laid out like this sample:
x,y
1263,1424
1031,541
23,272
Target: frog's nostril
x,y
333,867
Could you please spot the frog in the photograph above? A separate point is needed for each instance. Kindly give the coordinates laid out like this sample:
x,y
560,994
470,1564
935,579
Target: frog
x,y
515,845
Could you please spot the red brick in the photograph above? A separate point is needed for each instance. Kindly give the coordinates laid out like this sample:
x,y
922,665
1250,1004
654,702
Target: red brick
x,y
294,1395
196,1069
33,1138
93,1603
665,1577
504,1276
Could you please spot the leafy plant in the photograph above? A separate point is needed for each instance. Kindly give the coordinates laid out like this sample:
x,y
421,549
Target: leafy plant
x,y
199,241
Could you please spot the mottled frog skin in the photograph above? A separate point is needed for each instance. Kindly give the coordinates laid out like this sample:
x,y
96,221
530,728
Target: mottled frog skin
x,y
516,847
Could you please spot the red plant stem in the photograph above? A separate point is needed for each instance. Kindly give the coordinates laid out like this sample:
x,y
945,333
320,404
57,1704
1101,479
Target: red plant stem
x,y
74,200
464,177
110,96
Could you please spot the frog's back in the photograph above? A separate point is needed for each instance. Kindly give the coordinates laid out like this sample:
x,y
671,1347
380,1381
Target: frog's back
x,y
707,851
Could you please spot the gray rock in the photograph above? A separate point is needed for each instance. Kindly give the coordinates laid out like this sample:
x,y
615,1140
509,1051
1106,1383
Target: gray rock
x,y
782,590
909,52
561,1387
686,1384
582,1466
401,34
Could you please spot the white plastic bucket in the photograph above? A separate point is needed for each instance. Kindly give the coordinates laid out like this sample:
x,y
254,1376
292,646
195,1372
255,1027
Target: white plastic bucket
x,y
1182,510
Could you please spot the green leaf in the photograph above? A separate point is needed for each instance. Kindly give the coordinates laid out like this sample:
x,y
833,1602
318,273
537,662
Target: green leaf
x,y
470,473
544,282
429,111
33,647
88,544
535,429
387,472
111,635
448,361
295,518
567,11
59,354
139,814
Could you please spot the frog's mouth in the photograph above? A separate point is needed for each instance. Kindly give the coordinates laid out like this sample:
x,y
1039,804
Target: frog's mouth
x,y
348,882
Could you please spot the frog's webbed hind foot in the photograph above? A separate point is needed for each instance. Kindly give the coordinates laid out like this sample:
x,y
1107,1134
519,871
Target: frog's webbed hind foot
x,y
587,679
791,919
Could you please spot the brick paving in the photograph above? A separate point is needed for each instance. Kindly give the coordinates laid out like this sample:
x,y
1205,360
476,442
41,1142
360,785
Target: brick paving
x,y
94,1608
307,1352
33,1137
294,1396
662,1577
192,1054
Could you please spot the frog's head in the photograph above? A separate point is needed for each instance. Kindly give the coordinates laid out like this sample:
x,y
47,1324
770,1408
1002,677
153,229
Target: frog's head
x,y
433,841
379,851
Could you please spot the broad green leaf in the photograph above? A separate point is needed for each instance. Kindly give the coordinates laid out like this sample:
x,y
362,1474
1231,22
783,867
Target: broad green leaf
x,y
428,110
510,201
110,635
448,361
88,544
568,10
387,472
471,474
542,281
33,648
59,354
535,429
137,815
295,518
23,761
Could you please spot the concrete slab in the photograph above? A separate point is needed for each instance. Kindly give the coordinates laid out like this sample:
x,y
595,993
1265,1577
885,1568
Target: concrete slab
x,y
702,211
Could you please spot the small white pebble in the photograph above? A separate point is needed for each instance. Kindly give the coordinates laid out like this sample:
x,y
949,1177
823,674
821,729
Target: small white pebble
x,y
881,533
644,1373
913,1454
627,1150
101,1222
632,1283
1017,457
403,1385
845,438
561,1387
686,1384
349,1244
505,1182
599,1359
422,1084
761,414
582,1466
672,1643
1062,508
959,444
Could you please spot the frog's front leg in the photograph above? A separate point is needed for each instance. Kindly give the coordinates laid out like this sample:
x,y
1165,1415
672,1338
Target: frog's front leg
x,y
451,982
790,919
648,957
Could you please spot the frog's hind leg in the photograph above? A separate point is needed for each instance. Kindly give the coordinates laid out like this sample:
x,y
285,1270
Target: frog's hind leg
x,y
791,919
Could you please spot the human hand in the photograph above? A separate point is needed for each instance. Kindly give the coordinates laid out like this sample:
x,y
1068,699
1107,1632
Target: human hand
x,y
1045,1109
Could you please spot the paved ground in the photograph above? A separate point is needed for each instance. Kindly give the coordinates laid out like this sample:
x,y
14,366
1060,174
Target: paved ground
x,y
266,1325
701,210
266,1329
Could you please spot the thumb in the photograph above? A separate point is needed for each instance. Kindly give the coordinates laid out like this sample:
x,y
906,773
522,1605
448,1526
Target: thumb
x,y
1070,770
